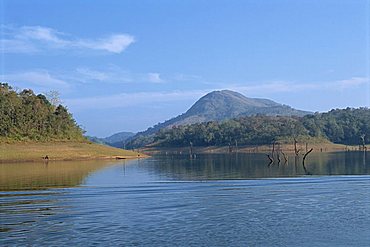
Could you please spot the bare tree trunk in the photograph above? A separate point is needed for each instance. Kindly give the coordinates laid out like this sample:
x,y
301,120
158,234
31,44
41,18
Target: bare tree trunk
x,y
285,157
363,141
230,148
191,150
304,157
296,151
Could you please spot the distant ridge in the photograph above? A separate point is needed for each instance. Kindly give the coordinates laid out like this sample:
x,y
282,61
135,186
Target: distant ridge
x,y
223,105
116,140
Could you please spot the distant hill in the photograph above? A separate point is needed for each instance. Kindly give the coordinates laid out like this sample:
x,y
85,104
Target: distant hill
x,y
118,137
219,106
226,104
115,140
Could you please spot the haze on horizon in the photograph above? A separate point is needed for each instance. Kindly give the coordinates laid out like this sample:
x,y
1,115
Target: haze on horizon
x,y
127,65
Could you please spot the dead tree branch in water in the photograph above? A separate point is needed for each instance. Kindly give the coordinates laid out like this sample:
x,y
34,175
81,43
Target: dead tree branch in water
x,y
304,157
285,157
271,160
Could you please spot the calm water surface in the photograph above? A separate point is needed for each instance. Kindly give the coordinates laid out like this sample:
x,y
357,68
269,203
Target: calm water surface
x,y
213,200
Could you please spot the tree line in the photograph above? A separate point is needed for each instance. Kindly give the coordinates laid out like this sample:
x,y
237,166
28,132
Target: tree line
x,y
27,116
343,126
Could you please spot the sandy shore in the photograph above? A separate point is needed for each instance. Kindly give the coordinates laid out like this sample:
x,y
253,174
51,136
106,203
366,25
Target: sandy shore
x,y
62,151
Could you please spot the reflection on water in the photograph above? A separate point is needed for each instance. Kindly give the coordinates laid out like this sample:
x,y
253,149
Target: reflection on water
x,y
33,192
30,176
247,166
175,201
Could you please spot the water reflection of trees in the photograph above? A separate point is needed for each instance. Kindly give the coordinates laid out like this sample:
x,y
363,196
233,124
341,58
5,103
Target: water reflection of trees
x,y
244,166
16,208
27,176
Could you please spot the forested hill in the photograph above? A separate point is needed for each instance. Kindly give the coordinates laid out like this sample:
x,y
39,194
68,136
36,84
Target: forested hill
x,y
220,106
26,116
346,126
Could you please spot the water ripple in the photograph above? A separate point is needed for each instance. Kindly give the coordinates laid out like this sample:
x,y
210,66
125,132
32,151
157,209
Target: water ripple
x,y
139,208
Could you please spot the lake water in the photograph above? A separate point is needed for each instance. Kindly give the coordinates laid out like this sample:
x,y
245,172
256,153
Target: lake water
x,y
213,200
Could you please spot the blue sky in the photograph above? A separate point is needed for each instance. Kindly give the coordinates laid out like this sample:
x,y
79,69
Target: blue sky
x,y
127,65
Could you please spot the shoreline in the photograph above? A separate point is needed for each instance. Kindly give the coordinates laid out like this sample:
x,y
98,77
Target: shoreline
x,y
108,158
286,148
62,151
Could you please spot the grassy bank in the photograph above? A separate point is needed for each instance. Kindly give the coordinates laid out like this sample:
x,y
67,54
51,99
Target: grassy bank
x,y
35,151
